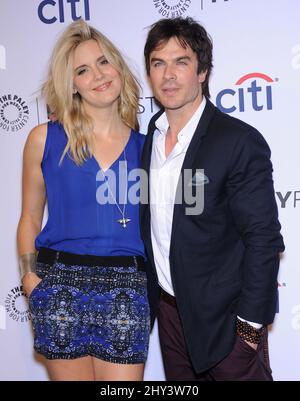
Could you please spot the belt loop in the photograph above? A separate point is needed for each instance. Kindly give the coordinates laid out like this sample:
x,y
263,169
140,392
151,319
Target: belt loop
x,y
136,263
56,257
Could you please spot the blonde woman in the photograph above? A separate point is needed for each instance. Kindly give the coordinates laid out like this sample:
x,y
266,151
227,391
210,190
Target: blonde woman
x,y
87,285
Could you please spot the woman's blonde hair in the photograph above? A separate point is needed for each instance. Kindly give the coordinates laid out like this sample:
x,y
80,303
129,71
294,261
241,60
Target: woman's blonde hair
x,y
67,106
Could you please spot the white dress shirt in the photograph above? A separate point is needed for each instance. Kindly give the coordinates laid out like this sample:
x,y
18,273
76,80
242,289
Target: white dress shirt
x,y
164,175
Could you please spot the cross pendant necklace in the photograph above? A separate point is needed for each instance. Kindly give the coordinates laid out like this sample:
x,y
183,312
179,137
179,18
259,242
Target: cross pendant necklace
x,y
123,221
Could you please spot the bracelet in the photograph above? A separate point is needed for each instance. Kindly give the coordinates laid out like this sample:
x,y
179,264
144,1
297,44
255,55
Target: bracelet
x,y
248,332
27,263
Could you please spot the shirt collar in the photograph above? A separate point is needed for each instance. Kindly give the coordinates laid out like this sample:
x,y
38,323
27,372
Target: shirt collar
x,y
187,132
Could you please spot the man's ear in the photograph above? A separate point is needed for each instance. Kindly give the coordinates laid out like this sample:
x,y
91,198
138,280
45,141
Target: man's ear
x,y
202,76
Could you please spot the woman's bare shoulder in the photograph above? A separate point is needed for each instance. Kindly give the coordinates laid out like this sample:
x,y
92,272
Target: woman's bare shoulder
x,y
36,140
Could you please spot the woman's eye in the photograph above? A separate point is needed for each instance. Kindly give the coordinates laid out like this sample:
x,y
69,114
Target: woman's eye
x,y
80,72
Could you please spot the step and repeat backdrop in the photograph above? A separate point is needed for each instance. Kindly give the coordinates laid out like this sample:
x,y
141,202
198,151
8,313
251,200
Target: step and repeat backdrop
x,y
256,78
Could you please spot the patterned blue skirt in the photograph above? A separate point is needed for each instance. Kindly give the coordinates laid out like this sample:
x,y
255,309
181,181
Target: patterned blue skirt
x,y
102,311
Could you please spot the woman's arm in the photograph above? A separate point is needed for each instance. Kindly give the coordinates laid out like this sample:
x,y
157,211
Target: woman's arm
x,y
33,199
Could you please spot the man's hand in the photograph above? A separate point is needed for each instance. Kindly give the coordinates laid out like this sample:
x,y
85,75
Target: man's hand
x,y
254,346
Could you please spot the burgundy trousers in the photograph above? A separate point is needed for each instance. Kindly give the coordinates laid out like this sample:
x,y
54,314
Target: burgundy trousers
x,y
242,364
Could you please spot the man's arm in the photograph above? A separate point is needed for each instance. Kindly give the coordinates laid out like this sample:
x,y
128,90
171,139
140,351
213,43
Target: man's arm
x,y
253,206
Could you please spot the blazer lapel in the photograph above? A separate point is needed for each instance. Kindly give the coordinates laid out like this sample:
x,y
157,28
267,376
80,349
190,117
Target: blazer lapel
x,y
190,158
188,162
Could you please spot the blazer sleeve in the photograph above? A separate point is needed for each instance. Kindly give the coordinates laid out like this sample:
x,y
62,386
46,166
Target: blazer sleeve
x,y
254,210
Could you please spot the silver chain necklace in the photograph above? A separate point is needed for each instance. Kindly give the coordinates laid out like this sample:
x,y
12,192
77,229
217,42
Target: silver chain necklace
x,y
123,221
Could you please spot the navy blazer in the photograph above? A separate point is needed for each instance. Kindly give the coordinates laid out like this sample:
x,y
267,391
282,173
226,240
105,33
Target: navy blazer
x,y
224,261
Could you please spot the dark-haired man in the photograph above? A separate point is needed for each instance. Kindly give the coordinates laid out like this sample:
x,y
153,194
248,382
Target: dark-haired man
x,y
217,269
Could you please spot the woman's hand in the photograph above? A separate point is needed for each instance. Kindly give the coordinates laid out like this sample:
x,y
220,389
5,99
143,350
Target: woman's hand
x,y
30,281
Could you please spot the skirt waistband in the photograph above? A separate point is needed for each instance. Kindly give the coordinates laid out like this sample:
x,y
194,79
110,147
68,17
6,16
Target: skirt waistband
x,y
50,256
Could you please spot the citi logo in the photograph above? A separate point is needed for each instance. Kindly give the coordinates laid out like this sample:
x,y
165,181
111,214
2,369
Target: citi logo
x,y
2,57
50,11
254,91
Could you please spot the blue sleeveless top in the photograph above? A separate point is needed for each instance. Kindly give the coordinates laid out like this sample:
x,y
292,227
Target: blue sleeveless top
x,y
77,222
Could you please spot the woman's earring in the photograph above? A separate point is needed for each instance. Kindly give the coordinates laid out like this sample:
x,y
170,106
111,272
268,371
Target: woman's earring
x,y
74,91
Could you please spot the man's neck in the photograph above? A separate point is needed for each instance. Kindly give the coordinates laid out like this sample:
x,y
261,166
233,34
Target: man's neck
x,y
178,118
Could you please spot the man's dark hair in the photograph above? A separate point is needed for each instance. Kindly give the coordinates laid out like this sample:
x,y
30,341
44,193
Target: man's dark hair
x,y
189,33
